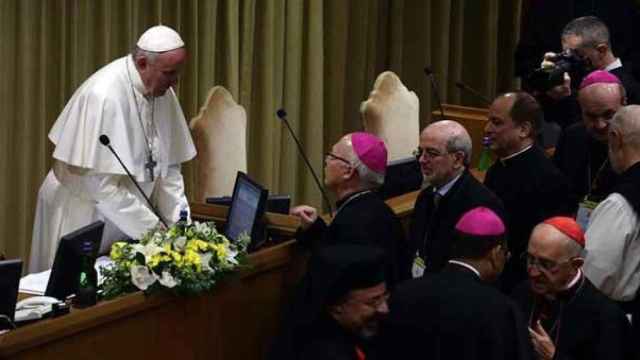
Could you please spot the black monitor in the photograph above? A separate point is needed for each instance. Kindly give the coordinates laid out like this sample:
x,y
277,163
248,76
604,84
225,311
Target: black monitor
x,y
279,204
402,176
10,271
68,261
246,211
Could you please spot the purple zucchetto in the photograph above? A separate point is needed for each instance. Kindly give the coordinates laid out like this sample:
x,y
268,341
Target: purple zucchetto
x,y
480,221
370,150
599,77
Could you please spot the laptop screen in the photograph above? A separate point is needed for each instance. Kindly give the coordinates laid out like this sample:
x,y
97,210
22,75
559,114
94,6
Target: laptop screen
x,y
68,261
10,271
246,211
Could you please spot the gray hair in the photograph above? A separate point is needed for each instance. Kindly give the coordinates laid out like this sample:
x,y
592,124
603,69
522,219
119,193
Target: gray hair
x,y
369,179
458,138
627,121
149,55
573,249
591,29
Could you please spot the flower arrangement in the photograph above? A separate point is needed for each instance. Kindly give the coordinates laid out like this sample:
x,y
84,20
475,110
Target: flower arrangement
x,y
187,259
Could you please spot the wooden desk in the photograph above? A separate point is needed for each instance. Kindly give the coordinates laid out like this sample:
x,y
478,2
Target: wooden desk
x,y
237,320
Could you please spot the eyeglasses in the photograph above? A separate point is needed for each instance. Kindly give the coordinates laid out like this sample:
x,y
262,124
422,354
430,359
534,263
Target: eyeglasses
x,y
336,157
543,264
429,153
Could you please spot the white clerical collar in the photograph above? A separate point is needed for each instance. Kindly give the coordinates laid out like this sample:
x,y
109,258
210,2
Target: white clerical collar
x,y
614,65
136,80
465,265
444,189
516,153
574,281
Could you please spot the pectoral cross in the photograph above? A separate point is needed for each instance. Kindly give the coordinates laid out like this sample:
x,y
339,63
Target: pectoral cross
x,y
150,165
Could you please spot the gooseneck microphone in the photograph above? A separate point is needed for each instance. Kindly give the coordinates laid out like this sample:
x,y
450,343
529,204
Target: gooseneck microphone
x,y
434,87
283,116
462,86
104,140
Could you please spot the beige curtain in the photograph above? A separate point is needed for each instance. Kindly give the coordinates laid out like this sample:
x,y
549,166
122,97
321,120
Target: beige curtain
x,y
317,59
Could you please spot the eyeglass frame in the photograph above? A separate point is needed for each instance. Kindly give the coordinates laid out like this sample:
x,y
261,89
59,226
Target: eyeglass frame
x,y
538,264
333,156
431,154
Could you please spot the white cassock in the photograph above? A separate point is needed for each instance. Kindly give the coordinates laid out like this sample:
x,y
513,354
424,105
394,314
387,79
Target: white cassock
x,y
87,183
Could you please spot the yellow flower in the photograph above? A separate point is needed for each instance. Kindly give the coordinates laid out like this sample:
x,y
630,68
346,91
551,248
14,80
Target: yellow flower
x,y
191,258
197,245
220,249
116,250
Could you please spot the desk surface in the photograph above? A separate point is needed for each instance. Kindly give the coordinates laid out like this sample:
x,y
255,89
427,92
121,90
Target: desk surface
x,y
237,320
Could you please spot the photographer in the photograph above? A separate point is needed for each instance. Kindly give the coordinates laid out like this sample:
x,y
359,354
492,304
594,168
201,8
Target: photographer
x,y
586,47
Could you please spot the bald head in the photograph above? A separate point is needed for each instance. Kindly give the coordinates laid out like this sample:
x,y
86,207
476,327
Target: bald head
x,y
456,136
553,242
624,138
599,102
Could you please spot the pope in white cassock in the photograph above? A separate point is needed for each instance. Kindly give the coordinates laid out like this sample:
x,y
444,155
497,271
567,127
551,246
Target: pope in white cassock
x,y
131,100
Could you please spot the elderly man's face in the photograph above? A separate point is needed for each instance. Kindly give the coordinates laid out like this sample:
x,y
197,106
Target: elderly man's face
x,y
361,311
438,165
162,73
599,102
505,135
549,265
337,165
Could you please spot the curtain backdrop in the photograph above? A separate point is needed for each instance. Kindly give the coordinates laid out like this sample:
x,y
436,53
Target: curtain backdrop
x,y
317,59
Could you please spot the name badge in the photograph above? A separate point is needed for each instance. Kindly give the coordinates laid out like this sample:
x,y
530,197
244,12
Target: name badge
x,y
417,270
584,213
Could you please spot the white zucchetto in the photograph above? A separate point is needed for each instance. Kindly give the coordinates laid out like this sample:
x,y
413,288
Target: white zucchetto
x,y
160,38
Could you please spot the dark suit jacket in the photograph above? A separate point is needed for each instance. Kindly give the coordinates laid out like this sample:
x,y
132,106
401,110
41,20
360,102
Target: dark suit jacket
x,y
453,315
578,155
466,194
630,84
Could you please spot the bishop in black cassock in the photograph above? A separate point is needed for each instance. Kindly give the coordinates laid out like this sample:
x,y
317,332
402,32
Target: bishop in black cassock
x,y
457,313
569,318
353,170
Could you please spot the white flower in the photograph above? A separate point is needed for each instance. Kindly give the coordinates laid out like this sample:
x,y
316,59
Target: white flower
x,y
141,277
205,259
167,280
147,250
231,256
179,243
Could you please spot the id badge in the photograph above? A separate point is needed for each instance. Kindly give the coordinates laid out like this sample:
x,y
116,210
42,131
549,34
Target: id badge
x,y
417,270
584,213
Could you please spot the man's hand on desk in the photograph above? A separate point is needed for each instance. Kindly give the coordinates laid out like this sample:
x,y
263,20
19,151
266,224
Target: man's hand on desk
x,y
307,214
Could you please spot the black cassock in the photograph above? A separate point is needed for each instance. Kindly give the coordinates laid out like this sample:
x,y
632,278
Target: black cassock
x,y
364,218
327,341
583,323
453,315
584,161
432,229
532,190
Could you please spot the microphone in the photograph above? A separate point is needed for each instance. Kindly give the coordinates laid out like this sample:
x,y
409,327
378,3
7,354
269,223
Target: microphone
x,y
283,116
104,140
434,87
462,86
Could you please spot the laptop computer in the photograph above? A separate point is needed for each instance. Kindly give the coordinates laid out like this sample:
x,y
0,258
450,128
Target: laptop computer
x,y
10,271
247,211
67,263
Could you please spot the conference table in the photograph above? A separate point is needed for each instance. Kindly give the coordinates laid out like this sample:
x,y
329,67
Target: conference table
x,y
236,320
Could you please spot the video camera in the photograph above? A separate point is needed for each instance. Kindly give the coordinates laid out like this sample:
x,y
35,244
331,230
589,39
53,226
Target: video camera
x,y
545,78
